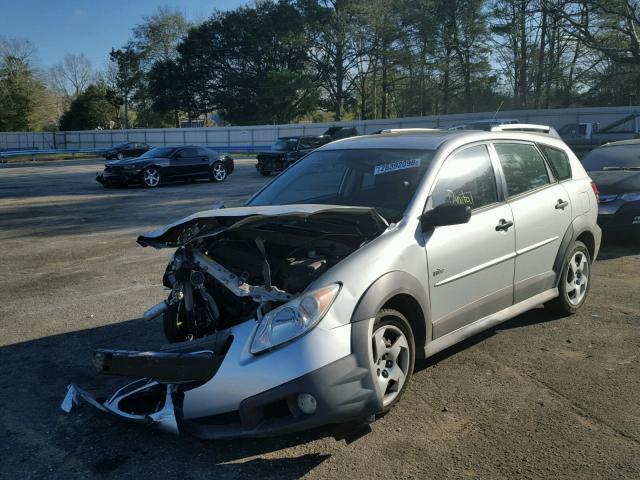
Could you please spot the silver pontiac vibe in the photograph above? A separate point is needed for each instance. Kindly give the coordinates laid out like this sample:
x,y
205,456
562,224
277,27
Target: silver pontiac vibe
x,y
309,305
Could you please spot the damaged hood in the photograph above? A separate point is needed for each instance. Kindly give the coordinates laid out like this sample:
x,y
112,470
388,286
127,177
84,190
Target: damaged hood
x,y
317,218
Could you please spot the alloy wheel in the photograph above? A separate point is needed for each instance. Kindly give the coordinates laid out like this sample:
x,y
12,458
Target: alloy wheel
x,y
577,278
151,177
391,359
219,172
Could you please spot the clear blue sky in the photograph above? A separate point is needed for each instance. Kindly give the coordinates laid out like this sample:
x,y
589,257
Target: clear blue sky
x,y
91,27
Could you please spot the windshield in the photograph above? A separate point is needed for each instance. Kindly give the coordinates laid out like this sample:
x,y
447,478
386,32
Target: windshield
x,y
616,157
285,144
384,179
159,152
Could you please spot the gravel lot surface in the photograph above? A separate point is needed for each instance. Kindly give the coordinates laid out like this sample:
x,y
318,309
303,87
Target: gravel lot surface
x,y
538,397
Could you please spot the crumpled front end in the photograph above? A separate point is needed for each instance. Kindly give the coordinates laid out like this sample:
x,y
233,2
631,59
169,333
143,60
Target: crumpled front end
x,y
233,269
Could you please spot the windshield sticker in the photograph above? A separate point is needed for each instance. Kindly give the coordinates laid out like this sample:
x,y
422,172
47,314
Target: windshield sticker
x,y
395,166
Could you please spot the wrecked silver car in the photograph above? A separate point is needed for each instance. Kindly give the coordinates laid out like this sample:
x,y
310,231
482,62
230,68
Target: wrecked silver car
x,y
309,305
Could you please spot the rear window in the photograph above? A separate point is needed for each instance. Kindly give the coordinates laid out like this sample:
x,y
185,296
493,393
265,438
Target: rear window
x,y
558,161
615,157
523,167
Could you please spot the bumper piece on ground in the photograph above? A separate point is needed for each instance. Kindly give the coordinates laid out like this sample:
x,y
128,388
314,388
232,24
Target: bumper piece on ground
x,y
144,401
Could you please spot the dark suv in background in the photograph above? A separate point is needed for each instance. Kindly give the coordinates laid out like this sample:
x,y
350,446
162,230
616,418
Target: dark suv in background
x,y
288,150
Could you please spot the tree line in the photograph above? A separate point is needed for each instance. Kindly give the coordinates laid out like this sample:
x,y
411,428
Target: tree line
x,y
301,60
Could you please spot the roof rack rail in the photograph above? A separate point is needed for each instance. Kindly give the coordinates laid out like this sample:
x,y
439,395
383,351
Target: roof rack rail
x,y
526,127
409,130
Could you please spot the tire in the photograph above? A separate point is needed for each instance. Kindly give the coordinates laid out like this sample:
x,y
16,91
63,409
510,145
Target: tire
x,y
119,156
218,172
151,177
394,366
575,281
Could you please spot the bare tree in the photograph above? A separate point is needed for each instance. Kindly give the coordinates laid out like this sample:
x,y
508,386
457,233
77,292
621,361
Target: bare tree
x,y
71,75
19,48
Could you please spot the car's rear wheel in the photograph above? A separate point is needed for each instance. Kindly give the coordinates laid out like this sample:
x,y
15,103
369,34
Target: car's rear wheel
x,y
393,355
151,177
575,281
120,156
218,172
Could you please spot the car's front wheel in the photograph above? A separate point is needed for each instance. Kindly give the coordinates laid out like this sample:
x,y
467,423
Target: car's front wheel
x,y
574,282
393,355
120,156
218,172
151,177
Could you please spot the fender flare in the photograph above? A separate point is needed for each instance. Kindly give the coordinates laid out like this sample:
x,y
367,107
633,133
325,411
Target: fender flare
x,y
569,238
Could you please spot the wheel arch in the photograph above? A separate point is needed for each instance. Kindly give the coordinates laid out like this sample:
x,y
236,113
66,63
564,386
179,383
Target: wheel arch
x,y
584,235
589,240
402,292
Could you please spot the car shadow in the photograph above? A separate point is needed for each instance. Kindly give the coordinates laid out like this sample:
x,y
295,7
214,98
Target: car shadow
x,y
532,317
89,442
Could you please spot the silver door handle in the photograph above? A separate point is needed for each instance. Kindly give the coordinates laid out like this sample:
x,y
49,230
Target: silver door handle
x,y
562,204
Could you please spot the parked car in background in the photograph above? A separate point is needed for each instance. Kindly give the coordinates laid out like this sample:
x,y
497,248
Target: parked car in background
x,y
167,164
615,168
126,150
584,137
309,305
485,124
288,150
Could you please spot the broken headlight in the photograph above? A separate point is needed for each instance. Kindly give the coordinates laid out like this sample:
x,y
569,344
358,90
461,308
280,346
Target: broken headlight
x,y
294,318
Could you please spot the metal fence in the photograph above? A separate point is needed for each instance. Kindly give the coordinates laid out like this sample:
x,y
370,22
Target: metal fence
x,y
253,138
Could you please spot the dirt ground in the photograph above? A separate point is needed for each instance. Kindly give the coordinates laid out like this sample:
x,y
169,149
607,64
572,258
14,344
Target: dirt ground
x,y
538,397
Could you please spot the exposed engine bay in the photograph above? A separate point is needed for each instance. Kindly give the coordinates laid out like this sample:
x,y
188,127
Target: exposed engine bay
x,y
227,270
233,272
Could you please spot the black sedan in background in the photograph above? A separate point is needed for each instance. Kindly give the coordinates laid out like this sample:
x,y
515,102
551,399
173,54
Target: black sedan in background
x,y
615,169
164,164
126,150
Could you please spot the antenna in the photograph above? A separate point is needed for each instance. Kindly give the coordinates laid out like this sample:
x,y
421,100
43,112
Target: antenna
x,y
499,107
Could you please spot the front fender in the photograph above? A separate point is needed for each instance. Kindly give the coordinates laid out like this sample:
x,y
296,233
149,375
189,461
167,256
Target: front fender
x,y
387,286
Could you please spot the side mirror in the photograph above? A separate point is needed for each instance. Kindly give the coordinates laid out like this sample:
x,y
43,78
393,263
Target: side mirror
x,y
446,214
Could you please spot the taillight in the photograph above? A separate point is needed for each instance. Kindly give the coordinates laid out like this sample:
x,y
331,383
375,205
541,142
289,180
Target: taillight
x,y
596,192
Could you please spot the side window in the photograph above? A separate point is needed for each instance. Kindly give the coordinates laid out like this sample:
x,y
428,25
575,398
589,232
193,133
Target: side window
x,y
201,152
558,161
467,178
188,152
523,167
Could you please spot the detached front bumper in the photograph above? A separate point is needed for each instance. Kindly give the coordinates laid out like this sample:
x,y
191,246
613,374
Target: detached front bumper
x,y
257,395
